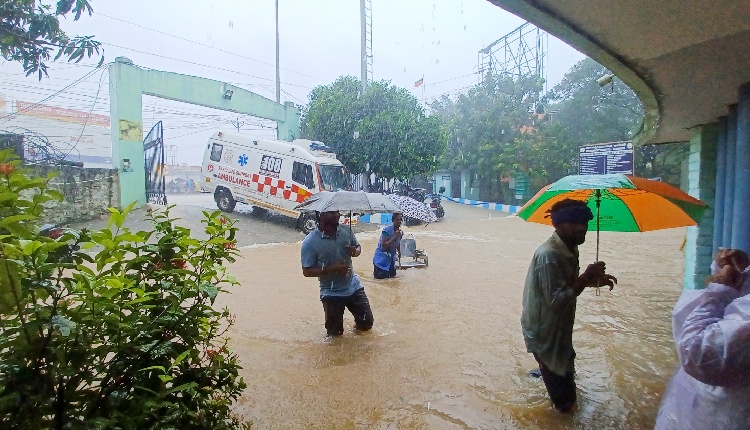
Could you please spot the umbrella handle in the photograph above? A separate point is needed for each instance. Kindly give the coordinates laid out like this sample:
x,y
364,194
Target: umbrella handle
x,y
598,205
351,234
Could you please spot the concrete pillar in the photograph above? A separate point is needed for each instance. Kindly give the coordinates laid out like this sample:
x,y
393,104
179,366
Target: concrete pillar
x,y
288,128
729,175
741,209
702,183
720,197
127,131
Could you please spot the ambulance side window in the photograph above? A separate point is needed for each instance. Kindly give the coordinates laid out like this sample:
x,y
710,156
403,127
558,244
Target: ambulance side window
x,y
302,174
216,152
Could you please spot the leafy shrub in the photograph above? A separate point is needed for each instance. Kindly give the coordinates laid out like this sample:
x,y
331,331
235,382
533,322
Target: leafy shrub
x,y
111,328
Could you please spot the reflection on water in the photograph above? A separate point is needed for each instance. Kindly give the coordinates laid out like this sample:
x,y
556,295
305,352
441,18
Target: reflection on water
x,y
446,350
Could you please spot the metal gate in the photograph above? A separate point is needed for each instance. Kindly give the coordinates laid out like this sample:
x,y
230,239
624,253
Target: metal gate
x,y
153,153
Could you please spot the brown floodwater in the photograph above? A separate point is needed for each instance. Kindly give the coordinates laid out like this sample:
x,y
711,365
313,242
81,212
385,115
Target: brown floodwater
x,y
446,351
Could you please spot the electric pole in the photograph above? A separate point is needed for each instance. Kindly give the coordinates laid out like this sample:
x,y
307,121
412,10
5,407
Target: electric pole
x,y
365,12
237,124
172,155
278,79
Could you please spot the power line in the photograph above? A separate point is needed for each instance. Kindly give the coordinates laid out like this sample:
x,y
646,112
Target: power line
x,y
51,96
85,123
203,65
207,46
453,79
292,96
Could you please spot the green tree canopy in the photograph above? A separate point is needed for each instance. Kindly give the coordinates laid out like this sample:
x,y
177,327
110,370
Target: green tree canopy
x,y
384,131
593,114
585,113
30,32
497,130
487,127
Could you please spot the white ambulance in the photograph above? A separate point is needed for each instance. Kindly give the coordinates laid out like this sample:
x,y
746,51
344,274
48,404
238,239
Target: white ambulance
x,y
270,174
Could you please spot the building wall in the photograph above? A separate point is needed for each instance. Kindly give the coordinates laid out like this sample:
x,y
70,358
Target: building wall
x,y
76,135
467,192
87,193
702,185
442,178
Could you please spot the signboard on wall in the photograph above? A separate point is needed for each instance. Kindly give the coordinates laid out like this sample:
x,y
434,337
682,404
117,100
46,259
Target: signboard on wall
x,y
606,158
62,114
521,185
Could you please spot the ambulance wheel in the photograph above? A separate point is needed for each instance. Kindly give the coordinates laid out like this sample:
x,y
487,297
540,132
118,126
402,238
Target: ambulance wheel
x,y
225,201
307,223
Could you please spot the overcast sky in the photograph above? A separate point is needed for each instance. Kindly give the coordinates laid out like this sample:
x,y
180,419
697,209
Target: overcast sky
x,y
319,39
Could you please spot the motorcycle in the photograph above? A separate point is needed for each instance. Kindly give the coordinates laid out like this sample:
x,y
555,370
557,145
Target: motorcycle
x,y
435,206
418,194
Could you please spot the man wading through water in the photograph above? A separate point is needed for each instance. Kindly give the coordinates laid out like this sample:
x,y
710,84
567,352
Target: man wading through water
x,y
327,254
388,250
549,299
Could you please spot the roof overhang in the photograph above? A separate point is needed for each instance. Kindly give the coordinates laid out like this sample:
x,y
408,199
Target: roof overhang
x,y
684,60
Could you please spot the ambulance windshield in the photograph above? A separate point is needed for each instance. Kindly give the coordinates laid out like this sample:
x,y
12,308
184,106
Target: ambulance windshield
x,y
333,178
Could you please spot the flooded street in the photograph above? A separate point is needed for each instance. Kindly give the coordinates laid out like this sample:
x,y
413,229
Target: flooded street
x,y
446,351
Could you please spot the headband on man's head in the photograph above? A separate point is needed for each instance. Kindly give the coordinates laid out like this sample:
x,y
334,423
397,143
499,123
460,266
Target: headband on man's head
x,y
579,214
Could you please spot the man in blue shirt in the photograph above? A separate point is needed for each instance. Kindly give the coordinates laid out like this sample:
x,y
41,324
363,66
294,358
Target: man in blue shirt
x,y
327,254
388,250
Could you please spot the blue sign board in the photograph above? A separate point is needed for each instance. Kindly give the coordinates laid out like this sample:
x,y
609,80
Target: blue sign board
x,y
605,158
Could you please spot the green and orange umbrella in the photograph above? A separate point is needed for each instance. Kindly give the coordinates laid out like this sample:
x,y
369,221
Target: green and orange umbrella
x,y
619,203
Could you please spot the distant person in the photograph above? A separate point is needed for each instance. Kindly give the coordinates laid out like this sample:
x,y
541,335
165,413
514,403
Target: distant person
x,y
549,299
190,186
711,388
388,250
327,254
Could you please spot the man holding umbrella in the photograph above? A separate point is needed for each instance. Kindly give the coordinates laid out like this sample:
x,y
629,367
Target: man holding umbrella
x,y
327,254
549,299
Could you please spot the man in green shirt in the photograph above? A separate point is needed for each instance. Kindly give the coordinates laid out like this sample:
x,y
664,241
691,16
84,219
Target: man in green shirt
x,y
549,299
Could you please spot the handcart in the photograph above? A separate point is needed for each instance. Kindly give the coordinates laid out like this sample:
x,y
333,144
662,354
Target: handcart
x,y
410,255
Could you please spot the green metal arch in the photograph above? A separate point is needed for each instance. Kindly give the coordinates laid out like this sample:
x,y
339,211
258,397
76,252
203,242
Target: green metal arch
x,y
128,83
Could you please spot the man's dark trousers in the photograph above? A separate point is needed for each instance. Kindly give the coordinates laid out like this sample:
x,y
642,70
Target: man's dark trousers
x,y
358,305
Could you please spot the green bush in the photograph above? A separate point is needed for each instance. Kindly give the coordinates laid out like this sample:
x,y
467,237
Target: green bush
x,y
111,328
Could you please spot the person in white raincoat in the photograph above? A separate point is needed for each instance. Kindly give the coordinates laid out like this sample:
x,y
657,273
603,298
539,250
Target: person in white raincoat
x,y
711,388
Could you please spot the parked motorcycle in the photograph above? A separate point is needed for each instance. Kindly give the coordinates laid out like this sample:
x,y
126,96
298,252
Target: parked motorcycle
x,y
418,194
435,205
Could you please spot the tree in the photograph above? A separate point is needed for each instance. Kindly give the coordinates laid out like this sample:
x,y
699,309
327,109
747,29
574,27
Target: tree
x,y
593,114
586,113
111,328
488,130
384,131
496,130
30,32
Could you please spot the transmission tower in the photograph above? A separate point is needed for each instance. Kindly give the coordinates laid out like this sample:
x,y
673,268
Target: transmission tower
x,y
523,51
365,9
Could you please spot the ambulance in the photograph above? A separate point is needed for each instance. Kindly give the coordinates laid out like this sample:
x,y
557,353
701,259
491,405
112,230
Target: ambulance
x,y
270,174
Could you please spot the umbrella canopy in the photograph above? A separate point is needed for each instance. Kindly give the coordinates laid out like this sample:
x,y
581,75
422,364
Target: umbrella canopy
x,y
348,201
412,208
619,203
